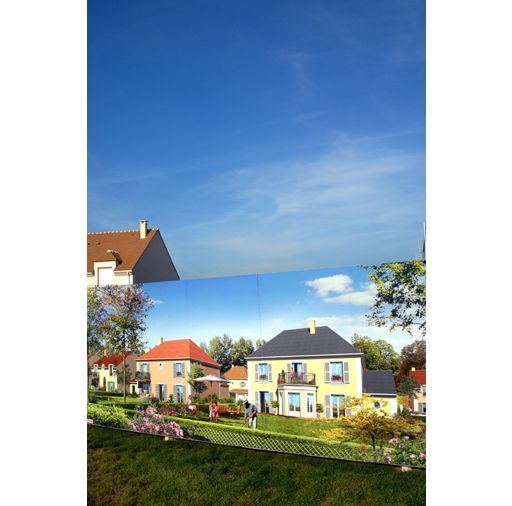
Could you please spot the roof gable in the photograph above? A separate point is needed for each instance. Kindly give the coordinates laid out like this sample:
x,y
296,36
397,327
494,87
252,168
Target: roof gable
x,y
179,349
420,376
301,343
127,243
116,359
237,372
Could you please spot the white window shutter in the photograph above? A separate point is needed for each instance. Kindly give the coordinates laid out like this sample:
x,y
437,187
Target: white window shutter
x,y
346,374
304,368
255,372
270,400
175,394
257,401
327,370
174,369
289,368
270,372
327,406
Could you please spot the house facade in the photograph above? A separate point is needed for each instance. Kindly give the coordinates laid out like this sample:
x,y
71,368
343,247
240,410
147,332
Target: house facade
x,y
380,385
237,376
125,257
107,372
164,371
304,368
419,405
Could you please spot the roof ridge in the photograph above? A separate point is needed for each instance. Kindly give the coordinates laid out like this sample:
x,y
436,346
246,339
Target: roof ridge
x,y
121,231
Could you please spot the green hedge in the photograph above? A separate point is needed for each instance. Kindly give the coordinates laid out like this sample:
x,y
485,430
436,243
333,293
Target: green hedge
x,y
111,416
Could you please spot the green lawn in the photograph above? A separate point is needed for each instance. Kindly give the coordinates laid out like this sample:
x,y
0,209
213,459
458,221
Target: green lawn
x,y
135,469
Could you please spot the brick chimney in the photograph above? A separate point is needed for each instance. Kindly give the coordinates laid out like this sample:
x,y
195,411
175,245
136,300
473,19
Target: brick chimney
x,y
161,340
312,326
143,227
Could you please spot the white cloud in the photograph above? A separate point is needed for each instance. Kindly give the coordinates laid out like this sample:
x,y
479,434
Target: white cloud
x,y
157,302
339,283
339,289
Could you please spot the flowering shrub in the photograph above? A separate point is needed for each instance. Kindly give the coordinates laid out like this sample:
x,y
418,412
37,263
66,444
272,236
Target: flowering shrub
x,y
111,416
151,422
405,451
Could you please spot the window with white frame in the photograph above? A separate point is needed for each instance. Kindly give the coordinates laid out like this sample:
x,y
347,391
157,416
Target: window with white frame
x,y
263,372
337,371
178,370
424,389
242,384
111,369
105,276
337,405
310,406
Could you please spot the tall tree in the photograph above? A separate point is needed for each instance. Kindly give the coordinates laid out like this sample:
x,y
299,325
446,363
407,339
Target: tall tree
x,y
378,354
126,309
260,343
400,301
95,316
408,386
413,355
219,349
241,348
196,371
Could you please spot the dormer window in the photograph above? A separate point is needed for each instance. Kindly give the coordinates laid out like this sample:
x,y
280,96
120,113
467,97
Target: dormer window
x,y
105,276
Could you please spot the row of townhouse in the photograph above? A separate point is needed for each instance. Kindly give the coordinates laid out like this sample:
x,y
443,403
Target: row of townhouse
x,y
292,375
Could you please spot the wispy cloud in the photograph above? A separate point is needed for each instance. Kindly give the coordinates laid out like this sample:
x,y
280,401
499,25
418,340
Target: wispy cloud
x,y
298,62
339,289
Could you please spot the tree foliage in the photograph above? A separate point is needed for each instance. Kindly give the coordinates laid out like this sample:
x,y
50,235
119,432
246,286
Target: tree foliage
x,y
196,371
241,348
124,324
400,301
408,386
413,355
219,349
260,343
379,354
368,423
95,316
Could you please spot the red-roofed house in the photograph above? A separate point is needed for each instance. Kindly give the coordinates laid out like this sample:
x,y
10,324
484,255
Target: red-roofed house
x,y
238,386
107,371
420,403
124,257
163,370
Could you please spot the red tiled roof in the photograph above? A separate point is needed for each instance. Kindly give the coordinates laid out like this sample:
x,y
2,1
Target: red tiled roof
x,y
237,372
127,243
239,390
419,376
116,359
179,349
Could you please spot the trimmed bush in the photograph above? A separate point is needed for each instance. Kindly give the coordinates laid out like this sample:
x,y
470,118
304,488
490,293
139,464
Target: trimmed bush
x,y
111,416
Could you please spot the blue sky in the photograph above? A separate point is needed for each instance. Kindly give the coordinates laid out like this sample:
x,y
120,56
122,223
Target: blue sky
x,y
262,306
259,136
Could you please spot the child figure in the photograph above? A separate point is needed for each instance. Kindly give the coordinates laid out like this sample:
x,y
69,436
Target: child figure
x,y
215,413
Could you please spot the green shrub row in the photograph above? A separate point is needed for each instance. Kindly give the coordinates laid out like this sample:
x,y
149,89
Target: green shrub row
x,y
111,416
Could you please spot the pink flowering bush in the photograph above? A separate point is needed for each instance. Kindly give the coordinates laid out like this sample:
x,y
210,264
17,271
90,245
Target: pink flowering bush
x,y
151,422
405,451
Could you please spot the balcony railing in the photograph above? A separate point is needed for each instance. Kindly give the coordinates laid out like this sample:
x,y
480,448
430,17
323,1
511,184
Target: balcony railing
x,y
142,375
294,378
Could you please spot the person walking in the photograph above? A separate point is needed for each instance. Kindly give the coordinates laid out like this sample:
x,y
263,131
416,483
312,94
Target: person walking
x,y
251,413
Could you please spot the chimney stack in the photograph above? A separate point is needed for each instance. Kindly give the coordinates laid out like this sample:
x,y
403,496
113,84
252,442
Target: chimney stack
x,y
143,227
161,340
312,326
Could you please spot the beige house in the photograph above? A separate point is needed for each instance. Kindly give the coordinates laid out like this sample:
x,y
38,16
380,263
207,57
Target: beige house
x,y
163,371
419,405
124,257
107,372
237,376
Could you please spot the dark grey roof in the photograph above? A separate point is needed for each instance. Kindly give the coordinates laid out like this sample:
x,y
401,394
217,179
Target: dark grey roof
x,y
300,343
379,382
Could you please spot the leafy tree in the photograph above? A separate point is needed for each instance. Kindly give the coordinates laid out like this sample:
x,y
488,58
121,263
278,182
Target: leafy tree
x,y
126,309
260,343
204,346
408,386
196,371
121,378
413,355
378,354
219,349
95,316
241,348
367,422
401,295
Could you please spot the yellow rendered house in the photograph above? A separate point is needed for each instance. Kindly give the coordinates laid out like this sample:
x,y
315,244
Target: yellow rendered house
x,y
237,376
312,372
107,372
